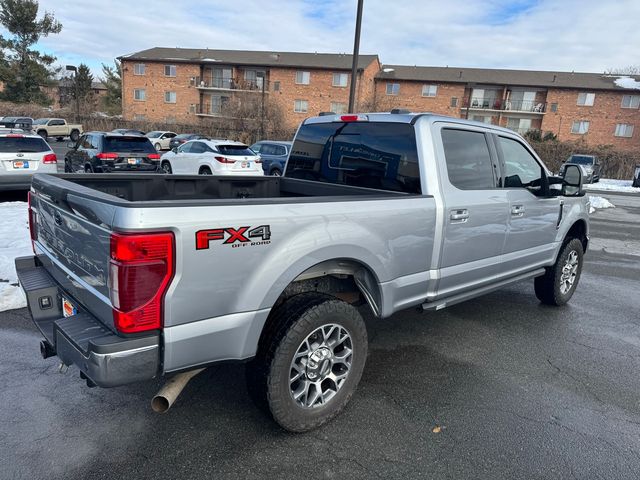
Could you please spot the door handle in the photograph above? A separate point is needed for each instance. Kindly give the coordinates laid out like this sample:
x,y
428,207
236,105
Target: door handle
x,y
517,210
459,216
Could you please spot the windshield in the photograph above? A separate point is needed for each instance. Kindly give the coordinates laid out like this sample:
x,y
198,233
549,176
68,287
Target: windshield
x,y
22,145
235,150
153,134
128,144
40,121
581,159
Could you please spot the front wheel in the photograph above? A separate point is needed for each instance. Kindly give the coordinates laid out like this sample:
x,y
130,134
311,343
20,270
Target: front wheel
x,y
166,168
158,147
558,284
43,134
310,361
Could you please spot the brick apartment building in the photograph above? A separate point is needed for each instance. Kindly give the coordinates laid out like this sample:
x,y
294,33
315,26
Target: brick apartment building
x,y
180,85
189,85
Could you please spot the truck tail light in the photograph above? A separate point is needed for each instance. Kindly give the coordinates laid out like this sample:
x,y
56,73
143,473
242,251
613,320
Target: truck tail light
x,y
225,160
107,156
153,156
352,118
140,271
50,158
32,223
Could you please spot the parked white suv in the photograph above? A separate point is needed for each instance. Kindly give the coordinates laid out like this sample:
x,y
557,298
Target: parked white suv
x,y
22,155
212,157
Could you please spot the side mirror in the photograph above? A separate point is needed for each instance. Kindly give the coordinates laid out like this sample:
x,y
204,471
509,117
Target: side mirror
x,y
572,185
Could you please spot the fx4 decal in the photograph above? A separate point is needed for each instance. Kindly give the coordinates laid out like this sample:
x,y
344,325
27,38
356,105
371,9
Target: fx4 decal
x,y
236,237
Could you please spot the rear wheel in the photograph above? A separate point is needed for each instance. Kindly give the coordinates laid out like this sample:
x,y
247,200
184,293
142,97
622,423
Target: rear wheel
x,y
205,171
309,362
276,172
166,167
557,285
75,134
43,134
158,147
88,168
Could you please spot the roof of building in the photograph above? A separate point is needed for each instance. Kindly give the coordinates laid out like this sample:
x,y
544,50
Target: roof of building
x,y
531,78
340,61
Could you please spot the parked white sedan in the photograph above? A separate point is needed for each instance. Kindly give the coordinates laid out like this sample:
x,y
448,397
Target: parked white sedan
x,y
212,157
160,139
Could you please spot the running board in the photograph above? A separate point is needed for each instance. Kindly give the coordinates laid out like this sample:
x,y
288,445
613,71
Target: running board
x,y
461,297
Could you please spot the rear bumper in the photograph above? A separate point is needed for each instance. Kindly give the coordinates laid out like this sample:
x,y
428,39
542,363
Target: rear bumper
x,y
104,358
115,168
21,181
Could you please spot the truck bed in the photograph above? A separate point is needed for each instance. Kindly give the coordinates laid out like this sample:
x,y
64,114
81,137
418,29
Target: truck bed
x,y
156,189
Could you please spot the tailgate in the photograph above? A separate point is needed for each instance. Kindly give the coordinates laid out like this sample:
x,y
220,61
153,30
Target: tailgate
x,y
73,243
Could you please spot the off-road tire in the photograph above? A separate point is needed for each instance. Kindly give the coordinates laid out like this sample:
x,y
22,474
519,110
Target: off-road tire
x,y
548,286
43,134
75,134
268,374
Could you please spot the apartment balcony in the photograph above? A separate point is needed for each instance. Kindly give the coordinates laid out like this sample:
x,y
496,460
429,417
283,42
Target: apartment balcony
x,y
499,105
205,110
232,85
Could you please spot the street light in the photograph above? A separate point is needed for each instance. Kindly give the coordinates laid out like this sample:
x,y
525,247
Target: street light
x,y
354,65
74,69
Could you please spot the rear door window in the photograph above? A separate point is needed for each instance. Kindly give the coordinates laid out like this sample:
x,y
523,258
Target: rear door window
x,y
128,144
468,159
380,155
198,147
22,145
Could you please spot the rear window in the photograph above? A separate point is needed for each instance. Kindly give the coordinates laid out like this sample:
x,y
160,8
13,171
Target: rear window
x,y
581,160
128,144
23,145
373,155
235,150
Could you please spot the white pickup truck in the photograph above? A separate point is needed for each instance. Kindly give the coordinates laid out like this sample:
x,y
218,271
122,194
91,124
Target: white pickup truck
x,y
57,128
135,278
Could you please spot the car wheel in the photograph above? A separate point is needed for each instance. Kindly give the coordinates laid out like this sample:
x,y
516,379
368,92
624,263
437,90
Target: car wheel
x,y
309,362
205,171
276,172
158,147
67,167
88,168
59,139
166,168
75,134
43,134
557,285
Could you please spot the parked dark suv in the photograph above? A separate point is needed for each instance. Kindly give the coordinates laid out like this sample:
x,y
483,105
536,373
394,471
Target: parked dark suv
x,y
111,152
185,137
274,155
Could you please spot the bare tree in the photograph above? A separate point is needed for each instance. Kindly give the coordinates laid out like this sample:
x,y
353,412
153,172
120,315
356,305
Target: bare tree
x,y
628,70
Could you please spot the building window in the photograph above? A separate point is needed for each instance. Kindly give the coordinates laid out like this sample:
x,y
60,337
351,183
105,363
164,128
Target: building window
x,y
483,118
624,130
580,127
169,97
393,88
338,107
276,86
192,108
630,101
340,79
586,99
169,70
554,107
303,78
454,102
138,69
217,104
139,117
429,90
140,94
301,106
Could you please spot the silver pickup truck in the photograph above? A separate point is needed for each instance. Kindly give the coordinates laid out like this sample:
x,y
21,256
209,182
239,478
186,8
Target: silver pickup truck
x,y
135,278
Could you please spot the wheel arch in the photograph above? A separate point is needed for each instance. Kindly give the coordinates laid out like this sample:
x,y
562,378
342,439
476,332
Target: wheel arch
x,y
578,230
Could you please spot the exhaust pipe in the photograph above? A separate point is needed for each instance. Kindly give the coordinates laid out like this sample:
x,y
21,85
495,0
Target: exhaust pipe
x,y
168,394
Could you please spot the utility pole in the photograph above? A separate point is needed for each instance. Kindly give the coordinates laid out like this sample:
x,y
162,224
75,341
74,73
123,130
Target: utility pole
x,y
74,69
264,80
354,65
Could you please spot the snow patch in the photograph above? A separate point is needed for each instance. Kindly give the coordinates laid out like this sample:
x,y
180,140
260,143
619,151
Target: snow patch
x,y
627,82
612,185
598,203
388,70
15,241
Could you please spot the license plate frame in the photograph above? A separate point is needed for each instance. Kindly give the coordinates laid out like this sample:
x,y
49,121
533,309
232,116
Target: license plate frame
x,y
133,161
68,308
20,164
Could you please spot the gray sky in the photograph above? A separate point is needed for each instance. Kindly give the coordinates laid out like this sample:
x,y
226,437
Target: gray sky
x,y
580,35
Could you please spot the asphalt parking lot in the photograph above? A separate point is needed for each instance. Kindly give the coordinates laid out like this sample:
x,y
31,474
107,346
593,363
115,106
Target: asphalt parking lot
x,y
498,387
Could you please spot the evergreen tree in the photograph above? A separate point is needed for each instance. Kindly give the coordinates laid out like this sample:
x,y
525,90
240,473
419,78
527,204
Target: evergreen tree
x,y
113,82
82,82
22,69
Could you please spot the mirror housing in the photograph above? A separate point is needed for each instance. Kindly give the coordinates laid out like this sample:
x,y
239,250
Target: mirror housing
x,y
572,181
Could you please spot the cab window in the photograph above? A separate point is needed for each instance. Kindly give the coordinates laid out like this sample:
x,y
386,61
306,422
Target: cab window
x,y
521,169
468,159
